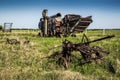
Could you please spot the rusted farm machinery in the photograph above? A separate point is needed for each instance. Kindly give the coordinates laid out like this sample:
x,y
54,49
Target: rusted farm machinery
x,y
88,53
57,26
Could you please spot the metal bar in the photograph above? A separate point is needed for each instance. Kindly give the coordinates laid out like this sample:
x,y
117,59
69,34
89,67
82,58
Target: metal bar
x,y
106,37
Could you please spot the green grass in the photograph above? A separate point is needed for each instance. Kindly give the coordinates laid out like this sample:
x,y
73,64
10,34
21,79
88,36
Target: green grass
x,y
24,62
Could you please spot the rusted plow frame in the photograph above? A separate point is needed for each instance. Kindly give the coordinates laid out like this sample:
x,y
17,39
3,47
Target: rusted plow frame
x,y
12,41
88,53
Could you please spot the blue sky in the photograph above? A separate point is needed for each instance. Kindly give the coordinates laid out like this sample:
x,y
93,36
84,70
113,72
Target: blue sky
x,y
26,13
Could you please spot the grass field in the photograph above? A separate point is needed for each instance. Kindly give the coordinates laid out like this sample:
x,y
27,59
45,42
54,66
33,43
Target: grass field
x,y
24,61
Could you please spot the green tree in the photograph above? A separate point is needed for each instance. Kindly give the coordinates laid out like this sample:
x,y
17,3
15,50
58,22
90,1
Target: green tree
x,y
0,27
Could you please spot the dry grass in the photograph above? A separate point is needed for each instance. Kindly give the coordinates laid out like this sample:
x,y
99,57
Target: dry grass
x,y
23,62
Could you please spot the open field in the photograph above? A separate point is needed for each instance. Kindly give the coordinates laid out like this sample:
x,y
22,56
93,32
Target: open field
x,y
24,61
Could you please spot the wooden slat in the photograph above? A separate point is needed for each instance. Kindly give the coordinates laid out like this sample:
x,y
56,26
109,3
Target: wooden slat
x,y
86,21
81,26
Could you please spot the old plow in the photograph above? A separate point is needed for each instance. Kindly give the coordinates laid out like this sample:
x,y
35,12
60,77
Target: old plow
x,y
88,53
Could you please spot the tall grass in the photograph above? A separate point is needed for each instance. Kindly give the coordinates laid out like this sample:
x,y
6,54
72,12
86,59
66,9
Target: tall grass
x,y
26,62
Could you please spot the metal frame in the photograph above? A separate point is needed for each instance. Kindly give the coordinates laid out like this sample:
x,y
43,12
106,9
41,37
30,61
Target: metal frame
x,y
7,28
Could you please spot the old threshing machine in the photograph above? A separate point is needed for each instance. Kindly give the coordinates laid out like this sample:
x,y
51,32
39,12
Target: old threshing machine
x,y
57,26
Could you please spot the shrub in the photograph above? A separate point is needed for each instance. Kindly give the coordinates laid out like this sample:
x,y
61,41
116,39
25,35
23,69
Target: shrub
x,y
0,27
